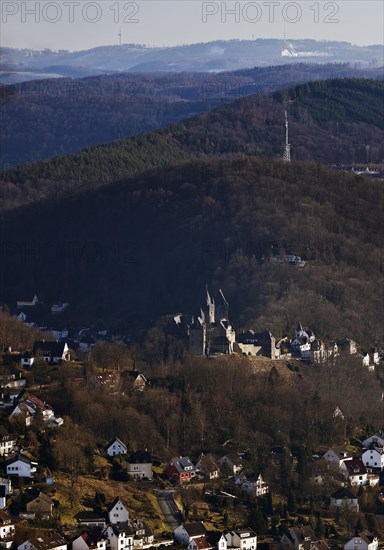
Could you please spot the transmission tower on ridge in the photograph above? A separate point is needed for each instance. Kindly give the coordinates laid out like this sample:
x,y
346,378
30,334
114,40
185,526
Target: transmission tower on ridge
x,y
287,148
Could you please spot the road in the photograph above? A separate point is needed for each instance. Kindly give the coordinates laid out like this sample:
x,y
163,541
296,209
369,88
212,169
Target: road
x,y
170,510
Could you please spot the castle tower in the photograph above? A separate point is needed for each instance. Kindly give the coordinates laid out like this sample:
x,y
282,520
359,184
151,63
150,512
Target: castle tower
x,y
208,307
222,307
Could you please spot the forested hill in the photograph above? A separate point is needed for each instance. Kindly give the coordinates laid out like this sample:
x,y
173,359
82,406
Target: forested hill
x,y
45,118
339,121
132,251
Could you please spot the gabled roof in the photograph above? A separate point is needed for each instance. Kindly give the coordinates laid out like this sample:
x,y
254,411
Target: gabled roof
x,y
355,467
367,537
208,463
21,457
340,451
245,532
195,529
48,541
182,462
55,348
44,497
5,435
203,543
116,501
140,457
122,527
115,440
234,458
342,494
93,536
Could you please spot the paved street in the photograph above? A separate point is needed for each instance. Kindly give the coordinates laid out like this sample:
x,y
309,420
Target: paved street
x,y
170,511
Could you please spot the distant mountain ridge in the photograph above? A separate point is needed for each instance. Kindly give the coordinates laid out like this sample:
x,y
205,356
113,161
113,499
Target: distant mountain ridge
x,y
215,56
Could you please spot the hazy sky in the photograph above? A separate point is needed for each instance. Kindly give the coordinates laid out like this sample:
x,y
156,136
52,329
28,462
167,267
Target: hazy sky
x,y
83,24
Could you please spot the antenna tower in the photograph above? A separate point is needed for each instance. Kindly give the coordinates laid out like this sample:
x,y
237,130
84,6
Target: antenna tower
x,y
287,148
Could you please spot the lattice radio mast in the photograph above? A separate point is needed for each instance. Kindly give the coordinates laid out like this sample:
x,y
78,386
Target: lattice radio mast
x,y
287,148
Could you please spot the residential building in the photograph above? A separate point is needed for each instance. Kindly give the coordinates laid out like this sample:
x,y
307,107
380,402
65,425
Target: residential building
x,y
252,484
336,456
21,466
91,540
116,447
140,465
8,442
50,540
208,466
377,440
232,462
180,469
245,539
373,457
355,471
119,536
186,532
117,511
7,530
298,538
42,504
363,541
52,352
343,498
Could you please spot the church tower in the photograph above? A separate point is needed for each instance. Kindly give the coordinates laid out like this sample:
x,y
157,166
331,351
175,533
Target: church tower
x,y
208,307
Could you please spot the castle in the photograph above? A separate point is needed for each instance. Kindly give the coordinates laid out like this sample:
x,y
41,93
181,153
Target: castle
x,y
211,332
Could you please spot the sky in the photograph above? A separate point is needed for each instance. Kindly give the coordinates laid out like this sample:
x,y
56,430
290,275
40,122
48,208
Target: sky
x,y
84,24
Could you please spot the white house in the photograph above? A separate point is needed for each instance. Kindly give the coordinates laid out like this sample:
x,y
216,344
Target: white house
x,y
233,462
93,540
7,530
245,539
336,456
21,466
186,532
355,470
252,484
142,534
140,465
52,352
364,541
118,512
50,540
27,360
116,447
7,442
119,536
343,498
374,457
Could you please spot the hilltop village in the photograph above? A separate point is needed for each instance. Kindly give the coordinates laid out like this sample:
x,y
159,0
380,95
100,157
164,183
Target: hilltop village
x,y
65,484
